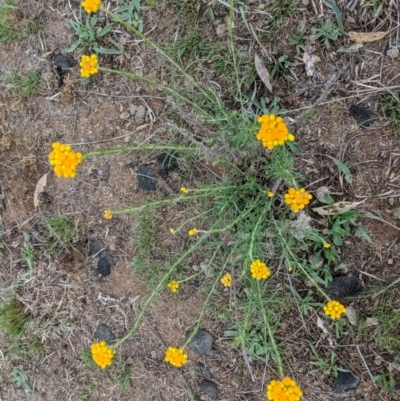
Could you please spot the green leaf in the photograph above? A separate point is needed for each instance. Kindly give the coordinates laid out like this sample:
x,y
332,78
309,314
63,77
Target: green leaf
x,y
107,51
344,169
105,30
72,47
337,12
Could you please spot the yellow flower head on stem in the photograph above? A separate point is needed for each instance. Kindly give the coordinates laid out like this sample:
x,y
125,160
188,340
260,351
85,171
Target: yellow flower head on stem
x,y
193,232
283,390
102,354
173,285
107,214
89,65
171,230
259,270
176,357
270,194
184,190
226,280
297,199
273,131
91,6
64,160
327,246
334,309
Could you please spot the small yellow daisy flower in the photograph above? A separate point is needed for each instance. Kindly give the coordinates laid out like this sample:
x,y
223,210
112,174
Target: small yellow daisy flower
x,y
176,357
173,285
270,194
326,245
297,199
259,270
334,309
171,230
285,390
89,65
64,160
102,354
273,131
107,214
226,280
184,190
91,6
193,232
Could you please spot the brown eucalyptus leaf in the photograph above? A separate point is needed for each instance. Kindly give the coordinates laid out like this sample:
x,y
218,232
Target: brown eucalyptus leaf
x,y
367,36
41,184
336,208
262,71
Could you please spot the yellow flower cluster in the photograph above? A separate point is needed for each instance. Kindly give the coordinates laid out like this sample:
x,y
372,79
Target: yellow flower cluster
x,y
102,354
259,270
334,309
226,280
64,160
273,131
193,231
184,190
327,246
297,199
89,65
107,214
176,357
285,390
173,285
91,6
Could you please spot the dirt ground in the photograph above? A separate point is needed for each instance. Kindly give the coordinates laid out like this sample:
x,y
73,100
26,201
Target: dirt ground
x,y
68,300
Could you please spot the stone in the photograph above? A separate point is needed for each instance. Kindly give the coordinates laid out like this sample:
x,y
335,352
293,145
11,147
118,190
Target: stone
x,y
202,342
205,370
124,115
210,388
63,65
343,287
363,116
396,213
104,333
140,115
345,381
133,110
146,178
94,248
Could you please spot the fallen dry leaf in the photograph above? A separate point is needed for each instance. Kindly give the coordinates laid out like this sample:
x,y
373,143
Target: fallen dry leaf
x,y
351,314
336,208
309,61
366,36
262,72
41,184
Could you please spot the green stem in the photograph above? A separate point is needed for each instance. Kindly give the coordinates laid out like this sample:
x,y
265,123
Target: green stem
x,y
203,308
320,290
271,336
133,148
156,291
159,50
158,85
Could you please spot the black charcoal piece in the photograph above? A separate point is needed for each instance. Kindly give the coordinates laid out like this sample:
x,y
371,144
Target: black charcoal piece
x,y
209,388
345,381
103,267
202,342
63,64
146,178
107,257
94,248
363,116
343,287
204,369
169,161
104,333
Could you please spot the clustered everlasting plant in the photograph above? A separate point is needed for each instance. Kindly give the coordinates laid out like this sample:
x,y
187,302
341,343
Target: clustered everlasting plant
x,y
89,65
334,309
91,6
107,214
273,131
283,390
192,232
297,199
173,285
226,280
64,160
259,270
176,357
102,354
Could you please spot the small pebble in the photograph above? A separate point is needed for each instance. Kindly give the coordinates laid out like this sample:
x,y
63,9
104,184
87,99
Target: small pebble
x,y
342,287
345,381
209,388
202,342
146,178
104,333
